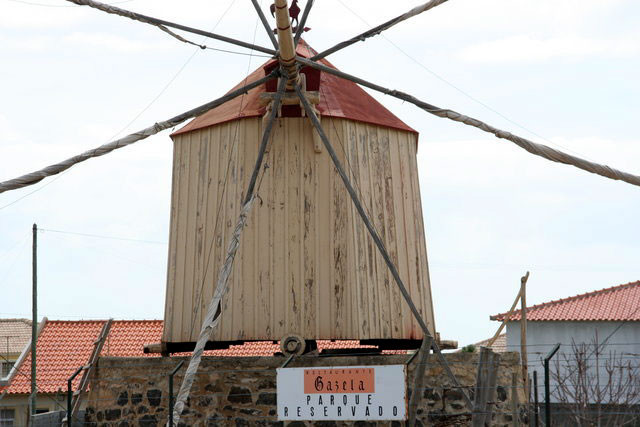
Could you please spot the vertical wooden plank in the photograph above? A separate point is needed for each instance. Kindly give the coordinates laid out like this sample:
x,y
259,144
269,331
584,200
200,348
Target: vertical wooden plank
x,y
324,305
309,231
414,238
352,292
401,236
421,233
376,172
180,248
411,232
359,238
170,310
340,263
200,223
190,212
223,166
293,226
226,321
364,188
212,223
279,228
236,293
261,236
395,299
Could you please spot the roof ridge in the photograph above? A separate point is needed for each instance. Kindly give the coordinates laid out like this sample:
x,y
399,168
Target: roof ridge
x,y
567,299
15,319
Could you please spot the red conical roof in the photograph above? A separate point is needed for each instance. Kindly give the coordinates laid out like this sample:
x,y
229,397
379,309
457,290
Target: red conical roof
x,y
338,98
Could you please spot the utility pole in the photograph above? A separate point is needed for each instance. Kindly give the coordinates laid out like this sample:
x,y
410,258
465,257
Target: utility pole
x,y
34,319
523,332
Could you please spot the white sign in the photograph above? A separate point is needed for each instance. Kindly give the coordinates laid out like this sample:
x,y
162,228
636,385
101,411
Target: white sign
x,y
342,393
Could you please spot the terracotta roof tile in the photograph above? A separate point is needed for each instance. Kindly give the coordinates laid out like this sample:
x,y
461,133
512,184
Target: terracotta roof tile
x,y
614,304
15,334
64,346
499,346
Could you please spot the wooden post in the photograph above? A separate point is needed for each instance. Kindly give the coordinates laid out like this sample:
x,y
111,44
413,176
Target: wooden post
x,y
418,380
285,41
523,332
34,320
507,317
485,389
514,400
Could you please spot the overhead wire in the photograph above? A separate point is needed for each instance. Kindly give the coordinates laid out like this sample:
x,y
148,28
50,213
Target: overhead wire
x,y
101,236
137,116
31,3
460,90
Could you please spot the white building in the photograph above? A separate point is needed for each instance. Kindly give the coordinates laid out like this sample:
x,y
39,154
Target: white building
x,y
609,318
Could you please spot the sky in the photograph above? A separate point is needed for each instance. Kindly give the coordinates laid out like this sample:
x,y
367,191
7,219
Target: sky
x,y
562,73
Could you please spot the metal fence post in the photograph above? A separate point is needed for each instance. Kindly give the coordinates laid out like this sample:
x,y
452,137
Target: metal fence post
x,y
70,394
535,398
547,386
175,370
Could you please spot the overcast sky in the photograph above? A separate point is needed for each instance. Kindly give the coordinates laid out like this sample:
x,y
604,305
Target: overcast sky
x,y
563,73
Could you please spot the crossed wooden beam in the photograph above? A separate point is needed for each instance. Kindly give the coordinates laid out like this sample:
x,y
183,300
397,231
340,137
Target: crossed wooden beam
x,y
284,50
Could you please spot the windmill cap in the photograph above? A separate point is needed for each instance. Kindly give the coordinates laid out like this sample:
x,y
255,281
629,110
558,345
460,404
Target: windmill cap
x,y
339,98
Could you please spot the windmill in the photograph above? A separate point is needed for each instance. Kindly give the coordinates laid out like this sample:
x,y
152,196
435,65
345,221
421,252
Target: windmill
x,y
292,81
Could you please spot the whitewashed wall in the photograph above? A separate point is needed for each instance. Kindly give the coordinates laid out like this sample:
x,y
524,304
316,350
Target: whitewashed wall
x,y
542,336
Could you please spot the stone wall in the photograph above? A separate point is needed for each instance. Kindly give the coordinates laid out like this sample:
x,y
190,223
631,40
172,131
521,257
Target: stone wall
x,y
242,391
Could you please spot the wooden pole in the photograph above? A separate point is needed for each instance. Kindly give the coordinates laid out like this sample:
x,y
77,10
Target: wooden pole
x,y
285,41
34,318
380,28
507,317
514,400
263,19
161,22
523,332
418,380
485,388
378,241
302,22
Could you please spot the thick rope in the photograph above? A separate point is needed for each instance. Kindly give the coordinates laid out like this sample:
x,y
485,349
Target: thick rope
x,y
215,309
34,177
380,28
160,23
532,147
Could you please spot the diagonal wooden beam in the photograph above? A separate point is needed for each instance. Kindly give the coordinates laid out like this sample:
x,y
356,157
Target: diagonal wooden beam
x,y
541,150
380,28
37,176
265,24
161,22
376,239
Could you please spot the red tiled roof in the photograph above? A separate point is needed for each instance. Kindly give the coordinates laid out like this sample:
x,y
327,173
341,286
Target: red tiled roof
x,y
64,346
618,303
338,98
15,334
498,346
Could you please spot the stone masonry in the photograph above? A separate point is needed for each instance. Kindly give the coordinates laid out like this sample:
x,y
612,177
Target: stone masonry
x,y
241,391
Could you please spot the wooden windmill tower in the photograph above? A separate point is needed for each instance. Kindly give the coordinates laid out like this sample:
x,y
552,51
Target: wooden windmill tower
x,y
306,266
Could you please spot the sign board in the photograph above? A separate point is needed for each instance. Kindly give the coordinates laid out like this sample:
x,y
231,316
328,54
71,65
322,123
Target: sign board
x,y
342,393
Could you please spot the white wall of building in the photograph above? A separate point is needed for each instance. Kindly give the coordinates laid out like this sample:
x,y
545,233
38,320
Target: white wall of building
x,y
542,337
